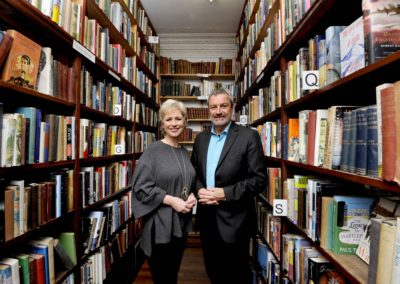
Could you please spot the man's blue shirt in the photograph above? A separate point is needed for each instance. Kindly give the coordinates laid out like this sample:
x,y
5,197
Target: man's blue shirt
x,y
214,153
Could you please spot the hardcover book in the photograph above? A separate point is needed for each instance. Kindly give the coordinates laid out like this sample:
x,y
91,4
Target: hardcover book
x,y
22,64
5,46
351,216
352,51
332,35
381,28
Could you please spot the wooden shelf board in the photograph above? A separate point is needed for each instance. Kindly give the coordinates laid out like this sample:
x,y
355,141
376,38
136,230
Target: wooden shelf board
x,y
199,76
182,98
199,120
363,180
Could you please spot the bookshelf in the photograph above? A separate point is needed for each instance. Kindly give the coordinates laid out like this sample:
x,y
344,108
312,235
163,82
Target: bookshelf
x,y
253,74
137,94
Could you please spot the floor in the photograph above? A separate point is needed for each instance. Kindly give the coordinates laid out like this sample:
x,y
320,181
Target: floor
x,y
192,269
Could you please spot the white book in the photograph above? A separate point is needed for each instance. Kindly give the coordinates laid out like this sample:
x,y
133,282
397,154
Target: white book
x,y
21,190
396,258
47,7
321,126
303,137
8,140
14,264
379,123
45,75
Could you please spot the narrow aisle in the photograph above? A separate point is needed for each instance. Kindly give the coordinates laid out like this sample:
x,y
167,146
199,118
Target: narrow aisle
x,y
192,269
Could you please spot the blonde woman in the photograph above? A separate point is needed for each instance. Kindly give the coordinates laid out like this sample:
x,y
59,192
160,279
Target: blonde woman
x,y
163,182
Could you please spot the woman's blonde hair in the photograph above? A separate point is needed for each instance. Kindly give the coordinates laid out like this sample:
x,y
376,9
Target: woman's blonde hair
x,y
172,104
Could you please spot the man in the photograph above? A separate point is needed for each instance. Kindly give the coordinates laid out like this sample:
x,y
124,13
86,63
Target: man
x,y
229,162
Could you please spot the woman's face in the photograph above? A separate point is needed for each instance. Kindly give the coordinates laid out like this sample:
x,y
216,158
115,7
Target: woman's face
x,y
173,123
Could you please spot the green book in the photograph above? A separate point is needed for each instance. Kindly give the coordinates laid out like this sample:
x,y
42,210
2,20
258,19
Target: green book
x,y
351,215
67,239
23,260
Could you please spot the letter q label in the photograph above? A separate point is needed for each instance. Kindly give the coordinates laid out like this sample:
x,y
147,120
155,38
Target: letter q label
x,y
280,207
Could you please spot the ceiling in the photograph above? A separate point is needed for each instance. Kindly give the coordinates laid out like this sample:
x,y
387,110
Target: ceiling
x,y
194,16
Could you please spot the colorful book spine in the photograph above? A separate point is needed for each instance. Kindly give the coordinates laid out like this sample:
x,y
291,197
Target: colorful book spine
x,y
332,35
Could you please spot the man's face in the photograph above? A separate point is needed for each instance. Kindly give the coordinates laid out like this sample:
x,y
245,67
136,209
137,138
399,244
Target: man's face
x,y
24,64
220,110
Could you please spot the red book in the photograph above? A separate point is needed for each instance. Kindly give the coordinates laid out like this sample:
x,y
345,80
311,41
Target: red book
x,y
311,137
39,267
390,100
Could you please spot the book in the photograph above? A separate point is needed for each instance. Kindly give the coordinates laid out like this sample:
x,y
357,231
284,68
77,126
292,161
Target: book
x,y
320,270
293,140
379,123
39,271
386,251
321,128
396,257
381,28
303,135
5,274
351,215
5,45
61,256
45,73
332,37
23,260
67,239
390,101
14,264
344,156
22,64
361,141
352,51
372,142
30,113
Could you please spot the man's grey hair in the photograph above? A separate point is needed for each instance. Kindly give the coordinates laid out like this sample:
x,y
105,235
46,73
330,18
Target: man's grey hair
x,y
217,92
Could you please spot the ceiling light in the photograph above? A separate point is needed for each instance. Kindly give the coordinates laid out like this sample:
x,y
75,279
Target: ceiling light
x,y
210,0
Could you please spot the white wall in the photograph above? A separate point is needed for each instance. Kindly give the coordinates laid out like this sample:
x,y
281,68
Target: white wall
x,y
198,47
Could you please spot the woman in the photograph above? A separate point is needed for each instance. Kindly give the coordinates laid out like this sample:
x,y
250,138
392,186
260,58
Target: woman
x,y
163,182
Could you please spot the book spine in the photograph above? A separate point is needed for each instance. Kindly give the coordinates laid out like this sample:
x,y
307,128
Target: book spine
x,y
372,142
361,142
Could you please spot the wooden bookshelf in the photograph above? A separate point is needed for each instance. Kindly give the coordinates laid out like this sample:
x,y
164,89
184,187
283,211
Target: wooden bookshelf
x,y
30,21
229,77
345,91
184,98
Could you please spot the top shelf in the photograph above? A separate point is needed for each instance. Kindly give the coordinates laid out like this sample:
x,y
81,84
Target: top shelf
x,y
229,77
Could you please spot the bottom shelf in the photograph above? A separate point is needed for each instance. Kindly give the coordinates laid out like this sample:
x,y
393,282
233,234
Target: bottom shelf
x,y
351,266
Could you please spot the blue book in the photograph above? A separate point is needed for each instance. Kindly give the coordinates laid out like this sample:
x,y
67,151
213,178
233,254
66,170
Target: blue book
x,y
361,141
30,113
351,215
262,258
344,159
372,142
5,273
42,250
332,35
352,142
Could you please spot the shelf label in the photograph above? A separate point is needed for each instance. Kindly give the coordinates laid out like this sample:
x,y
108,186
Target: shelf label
x,y
119,149
114,75
259,78
83,51
243,120
118,109
310,80
202,98
153,39
203,75
280,207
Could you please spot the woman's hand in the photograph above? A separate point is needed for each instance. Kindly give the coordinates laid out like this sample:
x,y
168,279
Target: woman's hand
x,y
191,201
178,204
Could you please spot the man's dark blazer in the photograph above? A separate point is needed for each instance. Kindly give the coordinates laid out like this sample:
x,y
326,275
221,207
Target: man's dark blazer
x,y
240,172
